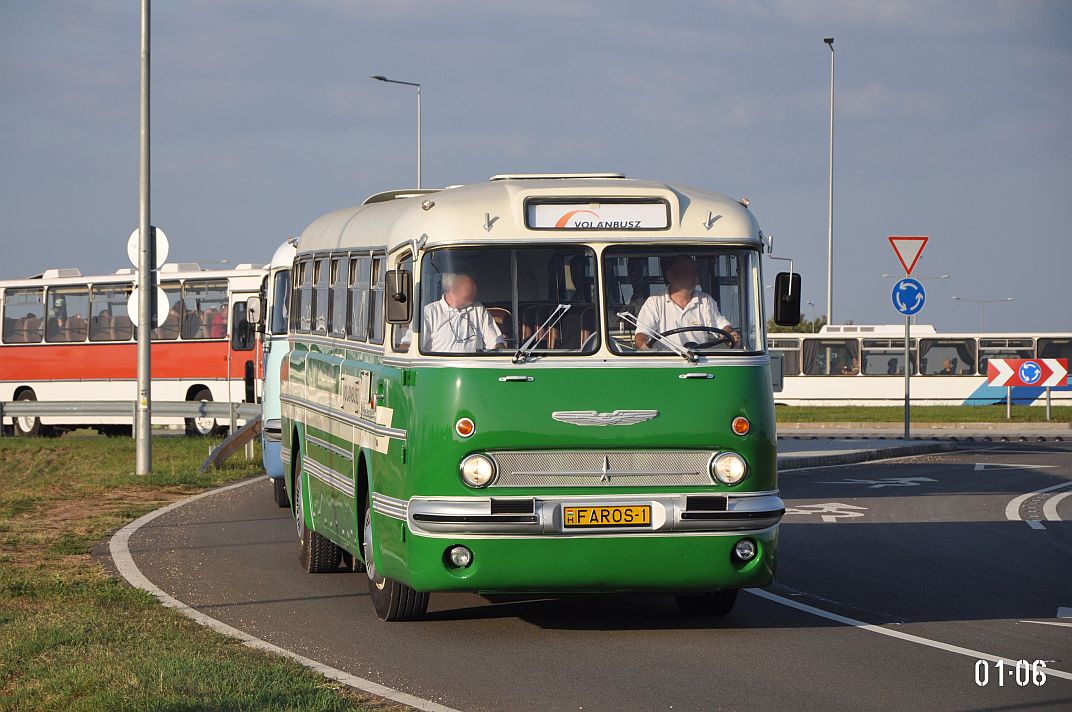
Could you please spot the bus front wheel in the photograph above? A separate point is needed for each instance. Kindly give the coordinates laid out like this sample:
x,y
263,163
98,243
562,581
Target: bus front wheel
x,y
202,426
392,600
279,489
712,605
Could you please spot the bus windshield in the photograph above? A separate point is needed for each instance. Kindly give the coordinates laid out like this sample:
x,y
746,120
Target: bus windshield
x,y
682,299
280,303
495,301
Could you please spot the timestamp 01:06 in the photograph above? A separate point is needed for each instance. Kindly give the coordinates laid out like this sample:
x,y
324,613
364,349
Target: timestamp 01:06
x,y
1024,673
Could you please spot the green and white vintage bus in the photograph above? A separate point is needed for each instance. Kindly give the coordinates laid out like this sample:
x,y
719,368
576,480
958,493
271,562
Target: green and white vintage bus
x,y
539,384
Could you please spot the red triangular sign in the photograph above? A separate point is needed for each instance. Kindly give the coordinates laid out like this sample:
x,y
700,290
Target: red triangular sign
x,y
908,250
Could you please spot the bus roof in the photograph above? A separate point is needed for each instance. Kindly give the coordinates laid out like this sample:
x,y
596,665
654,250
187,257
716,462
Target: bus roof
x,y
496,211
168,272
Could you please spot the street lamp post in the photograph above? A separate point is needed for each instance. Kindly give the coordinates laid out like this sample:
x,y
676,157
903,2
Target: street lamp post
x,y
381,78
982,306
816,319
830,199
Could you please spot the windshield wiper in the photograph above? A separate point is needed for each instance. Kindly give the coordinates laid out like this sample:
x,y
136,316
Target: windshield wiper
x,y
687,354
542,330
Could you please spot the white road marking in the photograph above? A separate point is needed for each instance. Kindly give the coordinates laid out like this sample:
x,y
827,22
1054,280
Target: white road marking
x,y
829,511
1063,625
884,482
882,630
1009,466
124,562
1012,510
1049,510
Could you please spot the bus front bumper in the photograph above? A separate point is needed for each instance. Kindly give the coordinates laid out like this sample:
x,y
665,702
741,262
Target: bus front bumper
x,y
684,549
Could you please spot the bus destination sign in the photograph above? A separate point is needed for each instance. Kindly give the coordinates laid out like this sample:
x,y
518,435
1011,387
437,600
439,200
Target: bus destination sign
x,y
598,215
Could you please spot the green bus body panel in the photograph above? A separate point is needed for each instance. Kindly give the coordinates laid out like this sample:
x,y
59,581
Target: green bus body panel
x,y
428,400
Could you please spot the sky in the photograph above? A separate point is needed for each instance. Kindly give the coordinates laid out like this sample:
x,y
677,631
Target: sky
x,y
953,120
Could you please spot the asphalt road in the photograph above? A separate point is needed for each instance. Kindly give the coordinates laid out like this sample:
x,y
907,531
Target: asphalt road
x,y
923,547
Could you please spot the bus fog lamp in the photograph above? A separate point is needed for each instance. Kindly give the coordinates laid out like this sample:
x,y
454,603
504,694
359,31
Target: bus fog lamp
x,y
459,556
745,550
728,468
477,470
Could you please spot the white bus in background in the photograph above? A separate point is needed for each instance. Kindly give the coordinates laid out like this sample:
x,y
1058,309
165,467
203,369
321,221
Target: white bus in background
x,y
857,364
66,336
276,346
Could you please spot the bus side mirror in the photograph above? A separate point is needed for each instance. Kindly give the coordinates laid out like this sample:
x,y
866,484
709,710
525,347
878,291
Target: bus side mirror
x,y
787,299
254,309
398,287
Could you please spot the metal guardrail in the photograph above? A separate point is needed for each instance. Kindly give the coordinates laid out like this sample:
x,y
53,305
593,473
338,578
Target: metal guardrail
x,y
164,409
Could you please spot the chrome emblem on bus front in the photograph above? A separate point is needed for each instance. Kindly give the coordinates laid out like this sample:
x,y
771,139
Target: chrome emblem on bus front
x,y
591,417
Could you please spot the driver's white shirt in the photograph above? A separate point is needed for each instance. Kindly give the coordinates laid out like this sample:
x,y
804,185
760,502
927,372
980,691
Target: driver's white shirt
x,y
661,313
445,329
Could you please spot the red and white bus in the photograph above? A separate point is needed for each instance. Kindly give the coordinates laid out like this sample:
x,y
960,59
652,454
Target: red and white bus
x,y
68,337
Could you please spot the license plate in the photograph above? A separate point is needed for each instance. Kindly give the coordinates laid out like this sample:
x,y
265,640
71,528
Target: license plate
x,y
624,516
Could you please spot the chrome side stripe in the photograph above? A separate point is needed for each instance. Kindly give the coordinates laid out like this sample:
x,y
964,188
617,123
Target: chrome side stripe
x,y
329,447
389,506
329,476
284,455
346,418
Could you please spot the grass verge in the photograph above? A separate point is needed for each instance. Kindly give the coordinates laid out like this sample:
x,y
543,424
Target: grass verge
x,y
920,414
74,638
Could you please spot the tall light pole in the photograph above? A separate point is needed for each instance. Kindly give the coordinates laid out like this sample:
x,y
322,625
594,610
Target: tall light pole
x,y
982,306
381,78
146,264
830,199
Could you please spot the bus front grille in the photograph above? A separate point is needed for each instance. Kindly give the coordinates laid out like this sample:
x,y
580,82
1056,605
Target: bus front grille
x,y
588,468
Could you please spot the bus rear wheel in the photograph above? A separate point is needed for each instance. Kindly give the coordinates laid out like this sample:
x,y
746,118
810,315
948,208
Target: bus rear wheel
x,y
714,604
392,600
202,426
30,427
317,553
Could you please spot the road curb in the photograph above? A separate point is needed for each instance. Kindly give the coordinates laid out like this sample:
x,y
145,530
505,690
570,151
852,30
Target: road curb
x,y
851,458
119,549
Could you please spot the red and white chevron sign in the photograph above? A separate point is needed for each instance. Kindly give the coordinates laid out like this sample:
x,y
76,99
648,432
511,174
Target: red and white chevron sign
x,y
1036,372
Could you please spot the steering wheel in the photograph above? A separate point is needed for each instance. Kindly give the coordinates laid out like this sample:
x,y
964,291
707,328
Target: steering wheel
x,y
725,336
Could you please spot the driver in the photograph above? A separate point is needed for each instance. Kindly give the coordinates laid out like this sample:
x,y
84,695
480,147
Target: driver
x,y
684,304
457,323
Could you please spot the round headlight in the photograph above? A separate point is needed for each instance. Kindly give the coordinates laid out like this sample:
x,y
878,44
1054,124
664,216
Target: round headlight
x,y
728,468
477,470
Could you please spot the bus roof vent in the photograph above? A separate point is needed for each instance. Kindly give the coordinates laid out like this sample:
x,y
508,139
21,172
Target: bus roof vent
x,y
555,176
389,195
246,265
61,272
180,267
125,270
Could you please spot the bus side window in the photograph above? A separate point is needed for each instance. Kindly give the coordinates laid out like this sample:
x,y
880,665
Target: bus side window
x,y
401,334
243,334
337,325
169,329
320,296
108,319
204,309
24,311
68,310
359,298
831,357
303,305
379,266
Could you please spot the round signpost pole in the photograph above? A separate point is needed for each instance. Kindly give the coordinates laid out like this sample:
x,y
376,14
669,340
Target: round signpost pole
x,y
146,267
907,377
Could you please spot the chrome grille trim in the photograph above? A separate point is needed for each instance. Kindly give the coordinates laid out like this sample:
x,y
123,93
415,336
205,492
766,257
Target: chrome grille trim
x,y
608,468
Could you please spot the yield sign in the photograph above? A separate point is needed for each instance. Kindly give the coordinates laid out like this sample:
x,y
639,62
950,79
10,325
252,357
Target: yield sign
x,y
908,250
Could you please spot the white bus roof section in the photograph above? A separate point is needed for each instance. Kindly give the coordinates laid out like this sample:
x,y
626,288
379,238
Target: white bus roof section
x,y
462,214
284,254
125,276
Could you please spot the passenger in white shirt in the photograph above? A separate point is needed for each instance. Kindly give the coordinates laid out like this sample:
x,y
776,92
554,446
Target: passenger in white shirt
x,y
684,304
456,323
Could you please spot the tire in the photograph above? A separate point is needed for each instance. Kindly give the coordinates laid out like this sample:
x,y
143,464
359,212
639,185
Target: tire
x,y
349,562
715,604
392,600
204,427
30,427
279,490
317,553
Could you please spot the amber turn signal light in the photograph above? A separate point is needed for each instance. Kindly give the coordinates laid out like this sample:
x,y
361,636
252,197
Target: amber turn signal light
x,y
740,425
